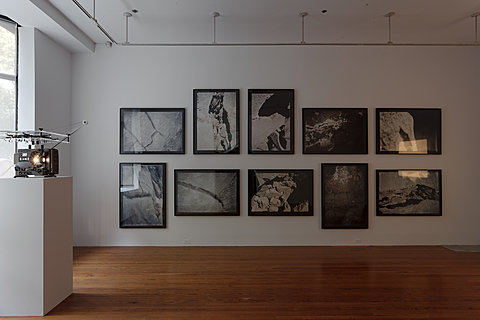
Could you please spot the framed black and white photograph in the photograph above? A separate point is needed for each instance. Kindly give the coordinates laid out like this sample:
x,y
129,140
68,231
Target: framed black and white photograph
x,y
142,195
206,192
280,192
216,121
335,130
344,196
409,131
152,130
271,121
409,192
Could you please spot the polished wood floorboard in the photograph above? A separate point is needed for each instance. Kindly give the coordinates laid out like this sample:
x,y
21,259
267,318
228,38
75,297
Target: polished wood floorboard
x,y
283,283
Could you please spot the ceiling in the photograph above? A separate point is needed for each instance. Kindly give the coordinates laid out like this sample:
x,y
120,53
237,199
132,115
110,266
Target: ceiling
x,y
278,21
247,21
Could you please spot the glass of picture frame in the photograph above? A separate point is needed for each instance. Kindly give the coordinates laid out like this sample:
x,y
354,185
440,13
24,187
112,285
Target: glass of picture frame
x,y
409,131
152,131
142,195
344,196
271,114
216,121
207,192
335,130
280,192
409,192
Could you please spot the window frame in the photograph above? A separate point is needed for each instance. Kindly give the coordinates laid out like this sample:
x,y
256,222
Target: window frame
x,y
15,76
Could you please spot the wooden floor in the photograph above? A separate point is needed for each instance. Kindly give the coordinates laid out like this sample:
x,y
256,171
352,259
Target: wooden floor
x,y
282,283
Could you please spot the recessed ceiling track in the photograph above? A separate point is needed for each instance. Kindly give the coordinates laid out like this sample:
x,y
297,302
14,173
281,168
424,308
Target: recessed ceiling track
x,y
93,18
302,42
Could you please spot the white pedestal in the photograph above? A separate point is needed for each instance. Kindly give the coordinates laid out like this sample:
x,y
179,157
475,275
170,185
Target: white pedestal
x,y
36,254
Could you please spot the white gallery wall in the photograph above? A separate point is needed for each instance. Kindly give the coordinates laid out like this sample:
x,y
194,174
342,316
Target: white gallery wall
x,y
44,87
53,76
112,78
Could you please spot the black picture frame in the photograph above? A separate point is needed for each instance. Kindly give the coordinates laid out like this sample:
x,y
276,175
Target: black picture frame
x,y
166,135
344,196
142,195
335,130
214,132
409,192
396,126
269,194
271,121
207,192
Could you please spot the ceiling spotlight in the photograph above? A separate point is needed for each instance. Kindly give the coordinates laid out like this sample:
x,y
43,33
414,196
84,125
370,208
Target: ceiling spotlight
x,y
324,11
134,10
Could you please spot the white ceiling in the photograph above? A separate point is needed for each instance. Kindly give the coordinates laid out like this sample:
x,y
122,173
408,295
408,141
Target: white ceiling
x,y
42,15
278,20
359,21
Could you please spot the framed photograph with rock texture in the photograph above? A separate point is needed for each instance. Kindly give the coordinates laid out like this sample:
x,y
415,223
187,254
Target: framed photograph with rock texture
x,y
280,192
271,121
142,195
344,196
409,192
152,131
207,192
216,121
335,130
409,131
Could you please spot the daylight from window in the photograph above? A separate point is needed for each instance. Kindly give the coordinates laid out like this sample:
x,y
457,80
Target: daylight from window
x,y
8,64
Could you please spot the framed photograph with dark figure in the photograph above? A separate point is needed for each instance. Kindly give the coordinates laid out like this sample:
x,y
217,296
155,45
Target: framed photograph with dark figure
x,y
271,121
280,192
142,195
344,196
335,130
216,121
409,131
152,130
409,192
206,192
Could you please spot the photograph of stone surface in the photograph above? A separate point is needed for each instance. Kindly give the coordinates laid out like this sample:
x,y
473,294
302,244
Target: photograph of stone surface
x,y
409,192
216,121
280,192
152,130
271,121
344,196
409,131
205,192
142,195
335,130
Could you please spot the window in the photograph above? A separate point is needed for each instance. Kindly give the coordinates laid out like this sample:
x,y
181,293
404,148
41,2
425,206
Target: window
x,y
8,89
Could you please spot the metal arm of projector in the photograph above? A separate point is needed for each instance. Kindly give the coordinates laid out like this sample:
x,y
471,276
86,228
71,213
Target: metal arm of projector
x,y
84,122
39,161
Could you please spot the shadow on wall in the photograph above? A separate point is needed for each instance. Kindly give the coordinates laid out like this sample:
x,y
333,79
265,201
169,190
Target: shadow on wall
x,y
7,168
